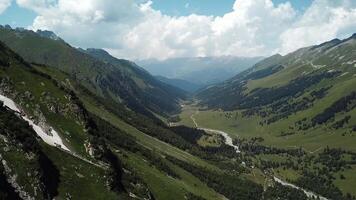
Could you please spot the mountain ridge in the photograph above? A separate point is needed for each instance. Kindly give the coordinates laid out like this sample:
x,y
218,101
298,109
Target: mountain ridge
x,y
199,70
120,81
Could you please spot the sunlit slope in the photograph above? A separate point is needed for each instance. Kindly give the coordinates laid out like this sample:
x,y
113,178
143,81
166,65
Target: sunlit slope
x,y
311,90
119,80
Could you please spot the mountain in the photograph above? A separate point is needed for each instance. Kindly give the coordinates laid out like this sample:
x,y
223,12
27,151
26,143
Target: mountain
x,y
63,135
199,70
288,78
118,80
179,83
295,115
60,140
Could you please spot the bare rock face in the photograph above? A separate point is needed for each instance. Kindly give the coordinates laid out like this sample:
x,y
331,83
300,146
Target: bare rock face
x,y
5,86
89,148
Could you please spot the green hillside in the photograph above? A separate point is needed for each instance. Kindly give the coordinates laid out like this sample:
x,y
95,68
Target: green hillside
x,y
304,101
118,80
114,152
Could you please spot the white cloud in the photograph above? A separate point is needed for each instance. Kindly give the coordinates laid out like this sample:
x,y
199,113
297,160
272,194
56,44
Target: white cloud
x,y
4,4
323,20
133,29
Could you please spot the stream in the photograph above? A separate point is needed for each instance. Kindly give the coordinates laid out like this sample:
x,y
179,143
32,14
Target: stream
x,y
229,141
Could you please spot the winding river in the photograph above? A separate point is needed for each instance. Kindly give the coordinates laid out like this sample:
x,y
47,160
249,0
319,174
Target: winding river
x,y
229,141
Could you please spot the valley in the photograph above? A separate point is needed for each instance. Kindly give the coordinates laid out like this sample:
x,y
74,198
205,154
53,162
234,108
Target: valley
x,y
292,117
229,141
83,124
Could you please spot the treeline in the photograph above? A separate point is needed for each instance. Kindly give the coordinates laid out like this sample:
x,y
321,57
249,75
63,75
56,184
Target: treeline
x,y
192,135
333,160
321,185
279,191
290,90
252,147
283,108
184,138
343,104
230,185
264,72
235,98
109,135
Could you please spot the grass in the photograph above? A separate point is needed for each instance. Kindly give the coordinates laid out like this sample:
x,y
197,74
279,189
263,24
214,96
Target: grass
x,y
287,174
79,179
237,126
211,140
278,79
312,141
347,185
256,175
162,186
142,138
44,92
20,166
165,187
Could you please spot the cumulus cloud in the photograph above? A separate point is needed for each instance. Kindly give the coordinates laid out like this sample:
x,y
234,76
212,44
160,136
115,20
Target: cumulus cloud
x,y
133,29
4,4
323,20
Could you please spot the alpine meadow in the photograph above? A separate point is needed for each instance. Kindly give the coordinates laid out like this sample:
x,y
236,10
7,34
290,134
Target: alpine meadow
x,y
178,100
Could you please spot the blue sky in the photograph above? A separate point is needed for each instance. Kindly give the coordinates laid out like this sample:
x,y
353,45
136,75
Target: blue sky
x,y
17,17
154,30
209,7
20,17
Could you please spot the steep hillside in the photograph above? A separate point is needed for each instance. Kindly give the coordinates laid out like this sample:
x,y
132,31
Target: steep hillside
x,y
116,79
60,140
97,160
34,169
182,84
283,78
295,115
141,77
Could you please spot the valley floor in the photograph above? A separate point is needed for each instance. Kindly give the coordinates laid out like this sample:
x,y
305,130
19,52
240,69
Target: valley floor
x,y
234,127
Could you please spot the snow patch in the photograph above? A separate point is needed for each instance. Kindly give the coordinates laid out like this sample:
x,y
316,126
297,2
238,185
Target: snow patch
x,y
351,62
54,139
9,103
331,71
344,74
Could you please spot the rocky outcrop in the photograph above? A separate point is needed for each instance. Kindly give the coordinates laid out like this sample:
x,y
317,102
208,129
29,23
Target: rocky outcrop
x,y
12,180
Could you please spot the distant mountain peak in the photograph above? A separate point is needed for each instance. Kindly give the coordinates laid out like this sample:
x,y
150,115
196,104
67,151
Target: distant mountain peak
x,y
98,51
353,36
48,34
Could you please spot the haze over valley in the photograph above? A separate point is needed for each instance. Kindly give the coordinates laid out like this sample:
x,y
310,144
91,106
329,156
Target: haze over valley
x,y
181,100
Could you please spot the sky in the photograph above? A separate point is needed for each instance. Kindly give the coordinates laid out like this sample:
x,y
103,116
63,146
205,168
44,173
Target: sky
x,y
143,29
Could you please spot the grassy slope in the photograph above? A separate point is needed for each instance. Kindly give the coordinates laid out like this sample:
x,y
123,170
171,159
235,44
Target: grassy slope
x,y
161,185
248,128
312,140
89,186
23,81
82,180
165,187
153,177
120,80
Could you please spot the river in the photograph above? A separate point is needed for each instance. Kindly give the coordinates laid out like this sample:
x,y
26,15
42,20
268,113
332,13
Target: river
x,y
229,141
